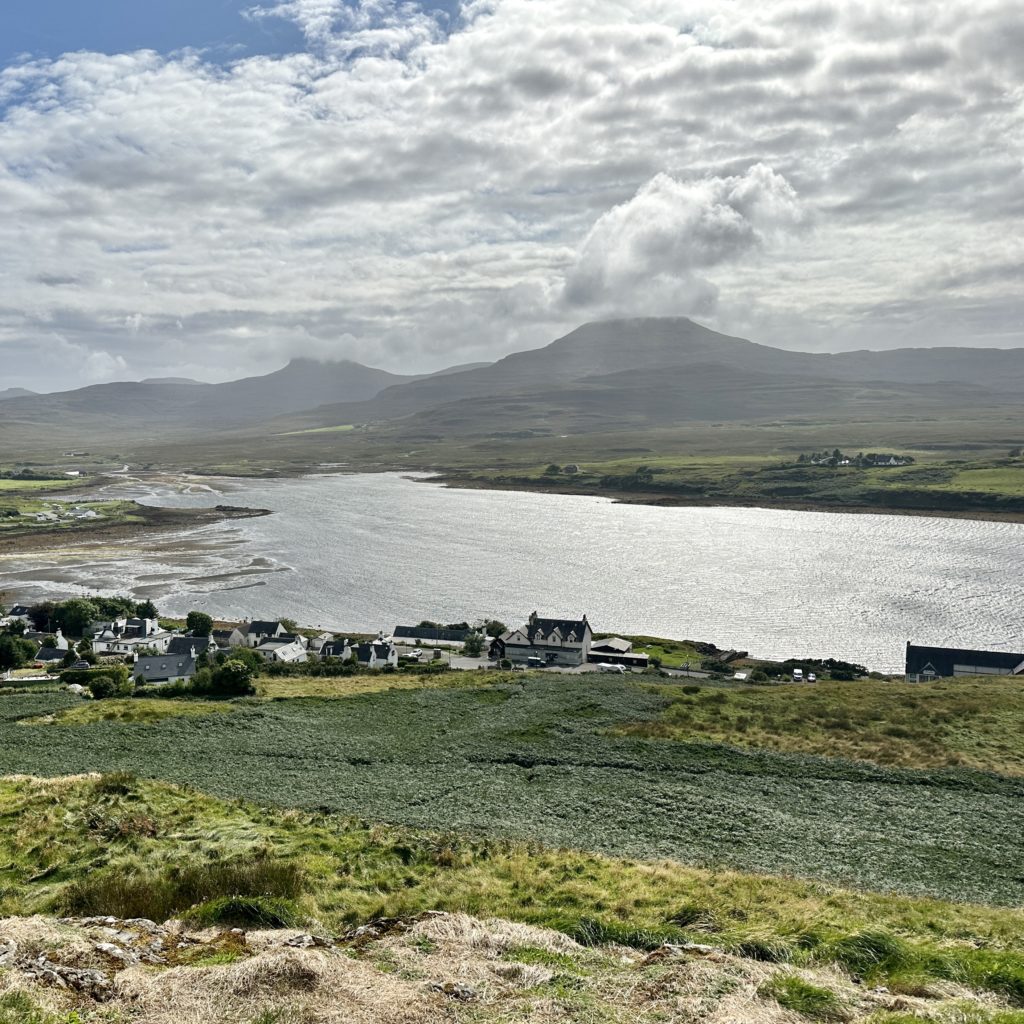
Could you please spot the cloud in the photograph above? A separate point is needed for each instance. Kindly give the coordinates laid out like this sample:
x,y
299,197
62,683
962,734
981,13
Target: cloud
x,y
414,189
671,230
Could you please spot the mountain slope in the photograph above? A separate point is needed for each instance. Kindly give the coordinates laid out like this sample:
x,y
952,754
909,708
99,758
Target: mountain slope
x,y
173,405
10,393
670,358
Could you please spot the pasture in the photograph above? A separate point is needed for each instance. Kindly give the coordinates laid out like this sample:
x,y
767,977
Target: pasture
x,y
550,760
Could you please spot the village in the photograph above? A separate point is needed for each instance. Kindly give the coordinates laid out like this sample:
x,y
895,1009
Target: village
x,y
41,641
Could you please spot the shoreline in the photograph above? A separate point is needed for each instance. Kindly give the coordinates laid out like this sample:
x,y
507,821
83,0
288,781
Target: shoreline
x,y
152,519
655,499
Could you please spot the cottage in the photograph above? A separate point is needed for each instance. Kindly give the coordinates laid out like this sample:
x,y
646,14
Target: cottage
x,y
283,649
227,638
160,670
554,641
924,663
259,631
181,645
339,649
377,654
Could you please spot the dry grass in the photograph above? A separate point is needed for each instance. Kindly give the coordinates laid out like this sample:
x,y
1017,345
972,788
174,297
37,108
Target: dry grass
x,y
458,969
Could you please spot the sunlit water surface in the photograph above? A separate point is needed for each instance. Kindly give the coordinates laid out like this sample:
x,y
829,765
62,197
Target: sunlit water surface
x,y
364,552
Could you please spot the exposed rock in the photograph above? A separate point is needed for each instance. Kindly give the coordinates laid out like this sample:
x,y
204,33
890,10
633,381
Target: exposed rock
x,y
453,990
308,942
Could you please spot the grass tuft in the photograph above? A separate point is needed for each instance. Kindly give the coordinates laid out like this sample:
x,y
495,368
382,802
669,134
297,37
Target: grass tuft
x,y
793,993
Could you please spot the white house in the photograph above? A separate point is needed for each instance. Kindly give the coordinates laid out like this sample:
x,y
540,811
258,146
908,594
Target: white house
x,y
164,668
258,631
377,654
286,650
554,641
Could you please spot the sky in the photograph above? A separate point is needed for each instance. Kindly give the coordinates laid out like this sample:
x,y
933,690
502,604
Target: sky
x,y
207,188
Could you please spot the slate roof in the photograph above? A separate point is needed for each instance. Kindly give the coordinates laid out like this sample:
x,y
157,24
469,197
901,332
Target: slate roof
x,y
334,649
940,660
363,652
427,633
543,628
382,650
183,645
49,654
160,668
262,628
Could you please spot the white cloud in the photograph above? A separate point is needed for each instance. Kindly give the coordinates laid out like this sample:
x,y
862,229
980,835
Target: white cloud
x,y
412,191
670,231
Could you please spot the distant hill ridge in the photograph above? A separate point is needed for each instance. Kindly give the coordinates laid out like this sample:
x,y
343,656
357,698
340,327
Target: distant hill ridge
x,y
614,374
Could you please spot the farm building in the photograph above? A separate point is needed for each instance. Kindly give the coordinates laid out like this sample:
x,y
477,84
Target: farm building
x,y
940,662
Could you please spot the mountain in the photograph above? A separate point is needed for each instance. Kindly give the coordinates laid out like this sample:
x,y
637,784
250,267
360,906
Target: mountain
x,y
165,406
659,370
15,393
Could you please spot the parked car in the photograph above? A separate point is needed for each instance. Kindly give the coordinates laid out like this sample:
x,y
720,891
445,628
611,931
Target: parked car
x,y
604,666
811,677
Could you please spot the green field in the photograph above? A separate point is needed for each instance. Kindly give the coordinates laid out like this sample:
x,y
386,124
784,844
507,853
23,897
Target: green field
x,y
545,759
962,723
29,486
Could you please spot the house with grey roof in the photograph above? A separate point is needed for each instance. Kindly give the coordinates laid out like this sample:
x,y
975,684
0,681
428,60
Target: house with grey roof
x,y
158,670
377,654
551,641
282,649
259,630
187,644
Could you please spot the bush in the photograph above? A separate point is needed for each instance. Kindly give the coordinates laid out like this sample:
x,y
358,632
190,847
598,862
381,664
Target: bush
x,y
106,686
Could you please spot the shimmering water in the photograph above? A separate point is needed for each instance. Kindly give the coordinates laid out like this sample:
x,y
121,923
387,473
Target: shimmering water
x,y
366,552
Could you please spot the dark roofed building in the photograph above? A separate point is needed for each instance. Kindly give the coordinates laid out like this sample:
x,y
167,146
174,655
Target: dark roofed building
x,y
553,641
429,633
162,669
943,662
258,631
181,645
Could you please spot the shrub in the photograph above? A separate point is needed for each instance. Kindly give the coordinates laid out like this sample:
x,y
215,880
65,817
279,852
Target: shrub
x,y
106,686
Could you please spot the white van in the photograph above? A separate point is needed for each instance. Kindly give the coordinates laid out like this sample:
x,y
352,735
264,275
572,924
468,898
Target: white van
x,y
798,675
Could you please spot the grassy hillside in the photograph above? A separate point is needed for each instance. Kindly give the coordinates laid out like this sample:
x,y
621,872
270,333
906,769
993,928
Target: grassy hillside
x,y
115,845
546,759
973,723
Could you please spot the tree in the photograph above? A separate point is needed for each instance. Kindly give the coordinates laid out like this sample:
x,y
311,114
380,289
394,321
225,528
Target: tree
x,y
495,627
85,646
75,617
15,652
1015,453
232,679
146,610
473,645
199,623
40,614
553,470
114,607
290,625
